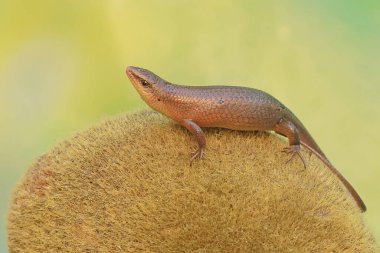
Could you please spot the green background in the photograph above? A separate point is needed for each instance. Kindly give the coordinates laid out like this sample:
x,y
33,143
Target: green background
x,y
62,69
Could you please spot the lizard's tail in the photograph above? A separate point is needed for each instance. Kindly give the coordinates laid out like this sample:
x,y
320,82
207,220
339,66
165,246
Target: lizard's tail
x,y
344,181
308,142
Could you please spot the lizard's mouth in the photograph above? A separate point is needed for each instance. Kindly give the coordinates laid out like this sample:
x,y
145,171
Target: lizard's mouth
x,y
131,75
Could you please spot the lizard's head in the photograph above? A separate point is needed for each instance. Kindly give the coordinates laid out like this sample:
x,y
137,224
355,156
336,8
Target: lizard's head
x,y
148,85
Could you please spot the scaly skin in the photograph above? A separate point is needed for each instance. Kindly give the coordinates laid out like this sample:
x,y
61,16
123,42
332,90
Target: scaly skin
x,y
237,108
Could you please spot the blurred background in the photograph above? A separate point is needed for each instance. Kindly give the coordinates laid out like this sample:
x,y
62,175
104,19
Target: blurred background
x,y
62,69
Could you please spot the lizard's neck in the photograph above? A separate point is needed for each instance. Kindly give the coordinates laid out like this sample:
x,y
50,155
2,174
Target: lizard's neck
x,y
171,100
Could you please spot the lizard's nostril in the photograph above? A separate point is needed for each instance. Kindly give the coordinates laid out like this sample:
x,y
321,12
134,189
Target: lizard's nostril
x,y
130,70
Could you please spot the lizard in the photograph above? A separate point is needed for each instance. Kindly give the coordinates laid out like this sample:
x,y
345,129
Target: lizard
x,y
231,107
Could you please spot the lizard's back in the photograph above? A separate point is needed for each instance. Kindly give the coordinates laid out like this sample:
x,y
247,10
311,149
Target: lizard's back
x,y
232,107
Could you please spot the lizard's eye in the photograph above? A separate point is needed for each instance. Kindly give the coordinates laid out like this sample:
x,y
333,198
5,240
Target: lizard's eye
x,y
144,83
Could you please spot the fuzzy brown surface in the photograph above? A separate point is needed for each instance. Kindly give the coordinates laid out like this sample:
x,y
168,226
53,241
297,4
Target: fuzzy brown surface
x,y
125,185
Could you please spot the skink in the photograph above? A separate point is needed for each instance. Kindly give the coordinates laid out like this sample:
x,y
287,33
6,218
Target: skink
x,y
232,107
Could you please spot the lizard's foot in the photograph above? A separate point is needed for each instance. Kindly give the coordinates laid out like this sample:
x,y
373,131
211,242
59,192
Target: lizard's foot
x,y
198,153
294,150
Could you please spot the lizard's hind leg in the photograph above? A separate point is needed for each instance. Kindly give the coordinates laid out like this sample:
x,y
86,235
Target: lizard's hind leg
x,y
288,129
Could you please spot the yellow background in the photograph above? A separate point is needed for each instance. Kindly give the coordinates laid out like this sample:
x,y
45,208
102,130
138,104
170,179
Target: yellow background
x,y
62,68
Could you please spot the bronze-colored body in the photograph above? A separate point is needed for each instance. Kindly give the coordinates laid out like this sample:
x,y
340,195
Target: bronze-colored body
x,y
237,108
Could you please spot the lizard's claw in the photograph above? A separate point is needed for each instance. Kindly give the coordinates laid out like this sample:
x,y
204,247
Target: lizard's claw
x,y
294,150
198,153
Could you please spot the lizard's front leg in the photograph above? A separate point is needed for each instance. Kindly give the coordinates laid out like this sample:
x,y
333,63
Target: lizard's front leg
x,y
199,135
288,129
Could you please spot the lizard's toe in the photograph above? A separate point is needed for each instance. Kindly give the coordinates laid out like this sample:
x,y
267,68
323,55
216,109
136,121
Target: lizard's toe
x,y
294,150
